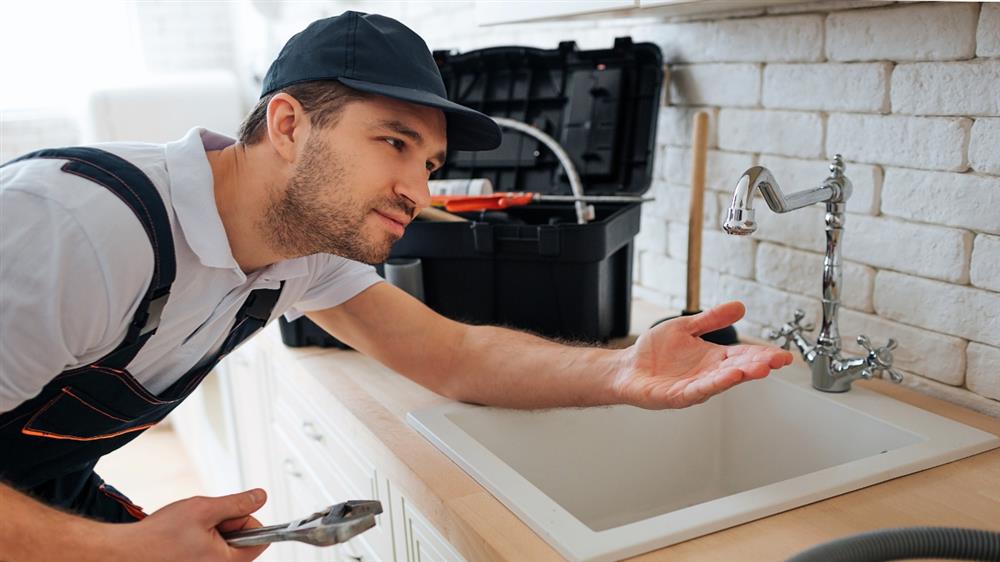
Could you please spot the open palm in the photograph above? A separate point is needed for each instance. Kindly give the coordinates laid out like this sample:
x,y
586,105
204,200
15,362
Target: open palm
x,y
670,366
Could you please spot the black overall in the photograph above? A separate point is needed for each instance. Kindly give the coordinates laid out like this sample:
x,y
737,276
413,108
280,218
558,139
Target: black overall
x,y
50,443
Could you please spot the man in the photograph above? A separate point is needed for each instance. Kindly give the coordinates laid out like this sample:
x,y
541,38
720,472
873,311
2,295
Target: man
x,y
129,271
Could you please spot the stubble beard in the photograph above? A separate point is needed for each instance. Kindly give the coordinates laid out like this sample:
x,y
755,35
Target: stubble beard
x,y
304,219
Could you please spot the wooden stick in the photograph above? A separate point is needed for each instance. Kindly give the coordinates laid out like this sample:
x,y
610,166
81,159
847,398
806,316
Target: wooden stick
x,y
433,214
699,144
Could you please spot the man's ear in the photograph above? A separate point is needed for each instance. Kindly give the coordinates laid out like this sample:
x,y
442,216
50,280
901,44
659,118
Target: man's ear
x,y
287,126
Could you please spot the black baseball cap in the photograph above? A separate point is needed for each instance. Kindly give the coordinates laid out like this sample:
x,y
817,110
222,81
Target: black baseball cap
x,y
379,55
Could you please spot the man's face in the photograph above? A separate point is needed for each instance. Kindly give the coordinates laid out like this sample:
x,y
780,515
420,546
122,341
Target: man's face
x,y
358,183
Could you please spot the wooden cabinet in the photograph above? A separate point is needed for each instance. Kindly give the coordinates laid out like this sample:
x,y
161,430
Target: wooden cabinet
x,y
310,460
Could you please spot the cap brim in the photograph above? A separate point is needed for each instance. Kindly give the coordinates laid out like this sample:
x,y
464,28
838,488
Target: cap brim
x,y
467,128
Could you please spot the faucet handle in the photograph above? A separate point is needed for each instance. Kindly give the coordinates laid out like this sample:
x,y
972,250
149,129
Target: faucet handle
x,y
879,358
788,329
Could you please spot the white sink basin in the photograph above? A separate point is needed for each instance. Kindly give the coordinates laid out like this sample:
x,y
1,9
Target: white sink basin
x,y
606,483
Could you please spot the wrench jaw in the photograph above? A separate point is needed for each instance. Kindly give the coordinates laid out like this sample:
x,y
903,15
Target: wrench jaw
x,y
338,532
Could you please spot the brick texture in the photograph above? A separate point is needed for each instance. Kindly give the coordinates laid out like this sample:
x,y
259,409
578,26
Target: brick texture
x,y
984,148
962,200
952,88
924,352
933,31
951,309
988,35
736,85
929,251
929,143
984,370
801,272
985,269
828,87
783,39
788,133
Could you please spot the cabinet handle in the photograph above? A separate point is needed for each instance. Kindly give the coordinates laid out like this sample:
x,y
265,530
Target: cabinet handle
x,y
311,432
291,469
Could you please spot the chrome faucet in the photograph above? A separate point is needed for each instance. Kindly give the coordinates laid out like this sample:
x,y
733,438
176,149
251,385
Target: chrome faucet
x,y
830,371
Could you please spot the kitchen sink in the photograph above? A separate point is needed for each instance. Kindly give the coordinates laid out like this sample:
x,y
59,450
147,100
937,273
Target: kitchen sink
x,y
607,483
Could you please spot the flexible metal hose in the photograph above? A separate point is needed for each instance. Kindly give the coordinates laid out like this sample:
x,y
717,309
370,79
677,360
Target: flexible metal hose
x,y
907,543
576,186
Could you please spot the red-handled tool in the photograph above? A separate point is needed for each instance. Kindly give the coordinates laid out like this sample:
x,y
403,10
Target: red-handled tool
x,y
505,199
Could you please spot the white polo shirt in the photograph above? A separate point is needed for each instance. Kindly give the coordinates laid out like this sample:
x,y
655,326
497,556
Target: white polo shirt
x,y
75,263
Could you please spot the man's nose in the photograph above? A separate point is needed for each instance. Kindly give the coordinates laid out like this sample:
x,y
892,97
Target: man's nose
x,y
415,188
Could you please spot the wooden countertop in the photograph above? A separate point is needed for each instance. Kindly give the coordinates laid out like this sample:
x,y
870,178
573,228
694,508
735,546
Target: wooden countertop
x,y
375,401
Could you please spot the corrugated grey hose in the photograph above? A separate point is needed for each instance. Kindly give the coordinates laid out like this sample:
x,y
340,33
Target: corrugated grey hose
x,y
907,543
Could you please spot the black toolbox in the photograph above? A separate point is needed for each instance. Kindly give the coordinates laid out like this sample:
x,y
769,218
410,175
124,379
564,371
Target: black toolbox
x,y
533,267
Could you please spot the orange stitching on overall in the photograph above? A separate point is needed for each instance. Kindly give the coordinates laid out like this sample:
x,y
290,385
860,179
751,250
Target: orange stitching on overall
x,y
134,385
131,508
92,407
26,430
47,435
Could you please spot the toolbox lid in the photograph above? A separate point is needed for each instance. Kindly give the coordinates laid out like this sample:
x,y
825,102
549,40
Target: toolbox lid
x,y
600,105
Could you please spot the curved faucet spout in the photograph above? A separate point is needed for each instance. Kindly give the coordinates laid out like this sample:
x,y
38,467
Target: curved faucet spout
x,y
740,219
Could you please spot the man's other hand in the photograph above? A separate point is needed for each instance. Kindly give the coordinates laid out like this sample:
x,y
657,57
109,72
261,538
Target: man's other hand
x,y
670,366
191,530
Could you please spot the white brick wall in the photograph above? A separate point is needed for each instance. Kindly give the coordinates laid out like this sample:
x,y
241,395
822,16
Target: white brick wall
x,y
787,38
719,252
984,148
965,312
828,87
930,251
905,33
947,88
988,36
796,271
790,133
985,270
736,85
676,123
961,200
722,169
924,352
802,229
930,143
982,377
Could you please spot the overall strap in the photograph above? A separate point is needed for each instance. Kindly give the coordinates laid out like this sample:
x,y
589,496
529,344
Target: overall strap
x,y
137,191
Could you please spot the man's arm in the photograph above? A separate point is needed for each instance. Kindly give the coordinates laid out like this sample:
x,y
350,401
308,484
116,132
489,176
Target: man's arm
x,y
668,367
31,531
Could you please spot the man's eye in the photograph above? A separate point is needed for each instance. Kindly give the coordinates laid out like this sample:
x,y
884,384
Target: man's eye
x,y
395,143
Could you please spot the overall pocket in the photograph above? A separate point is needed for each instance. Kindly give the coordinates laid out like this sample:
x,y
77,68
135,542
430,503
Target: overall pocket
x,y
76,415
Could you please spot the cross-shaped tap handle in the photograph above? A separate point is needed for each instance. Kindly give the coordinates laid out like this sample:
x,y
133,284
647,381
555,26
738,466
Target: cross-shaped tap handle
x,y
880,358
790,328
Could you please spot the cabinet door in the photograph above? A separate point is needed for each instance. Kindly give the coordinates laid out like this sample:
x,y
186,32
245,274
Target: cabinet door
x,y
300,494
340,464
492,11
419,540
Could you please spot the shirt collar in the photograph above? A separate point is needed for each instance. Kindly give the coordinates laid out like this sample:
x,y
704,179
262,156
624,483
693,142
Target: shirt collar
x,y
192,193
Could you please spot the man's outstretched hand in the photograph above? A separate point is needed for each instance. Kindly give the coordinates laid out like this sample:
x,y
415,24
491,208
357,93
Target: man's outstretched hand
x,y
670,366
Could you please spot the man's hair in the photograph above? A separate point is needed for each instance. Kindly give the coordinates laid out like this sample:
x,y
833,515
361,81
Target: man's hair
x,y
323,101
